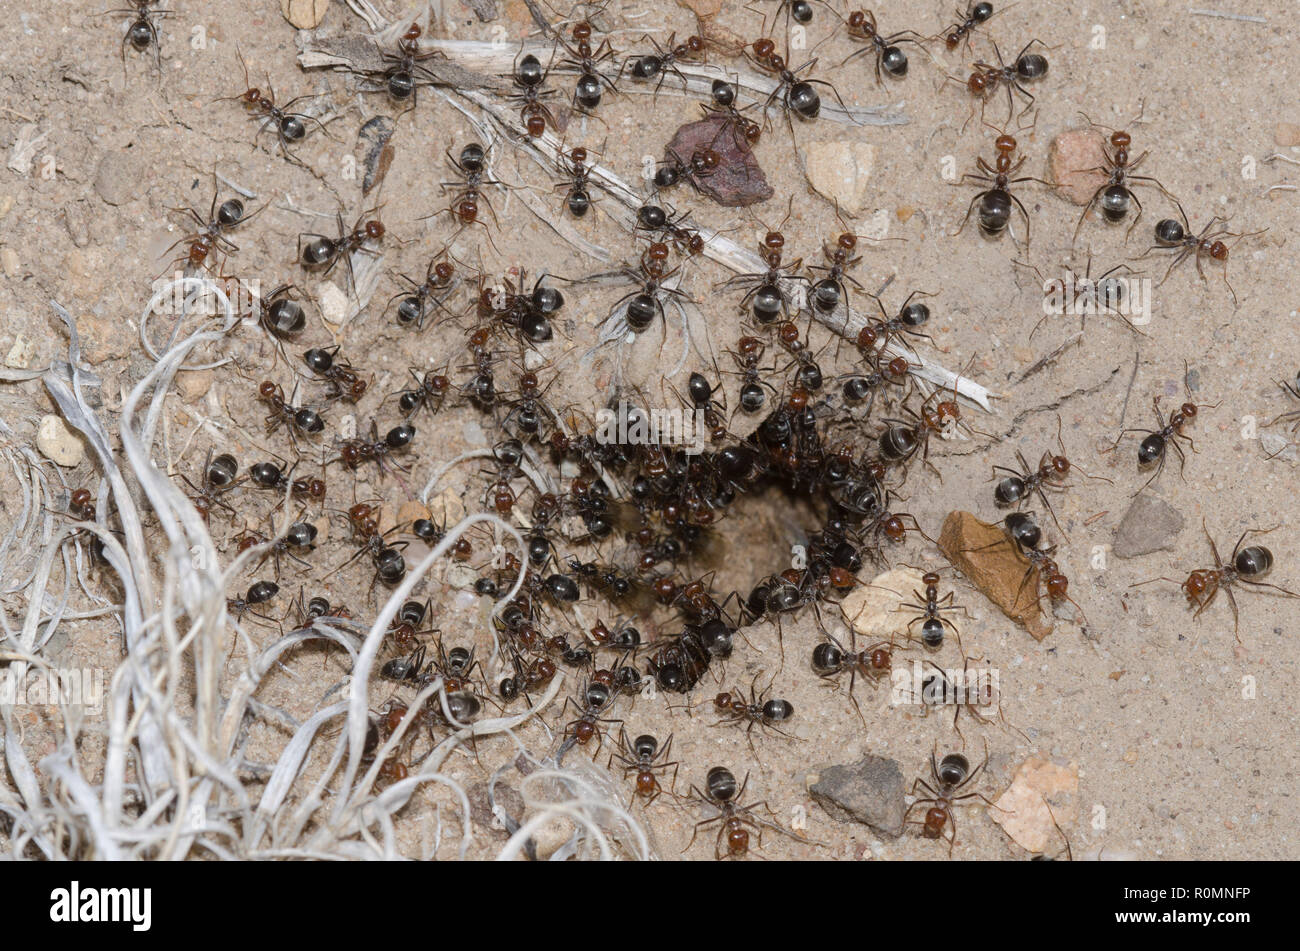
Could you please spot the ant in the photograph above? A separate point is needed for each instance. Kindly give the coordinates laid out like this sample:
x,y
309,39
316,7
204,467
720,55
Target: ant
x,y
1292,389
745,132
430,390
723,794
1151,451
1174,234
1028,67
322,251
142,32
995,203
290,127
975,14
588,90
1244,566
800,11
932,608
299,535
596,699
390,566
874,662
472,166
259,592
859,385
756,711
795,95
269,476
301,420
861,27
664,60
645,757
219,477
1083,294
529,409
901,439
404,629
1115,193
578,199
533,112
280,315
345,383
1015,488
416,305
353,452
644,305
950,775
768,299
702,164
968,693
911,315
828,292
404,74
211,235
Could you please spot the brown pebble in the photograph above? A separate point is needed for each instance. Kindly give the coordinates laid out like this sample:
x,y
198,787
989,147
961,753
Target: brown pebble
x,y
1287,134
984,554
1131,757
738,180
1071,155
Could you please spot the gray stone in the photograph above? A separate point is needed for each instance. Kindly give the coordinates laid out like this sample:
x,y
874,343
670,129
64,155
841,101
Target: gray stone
x,y
1150,524
869,791
116,180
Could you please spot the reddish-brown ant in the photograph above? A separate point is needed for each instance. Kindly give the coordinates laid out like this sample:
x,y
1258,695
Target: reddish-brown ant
x,y
874,662
933,608
1116,192
344,380
586,61
645,757
290,127
745,132
353,452
995,203
318,251
577,171
211,235
974,14
1210,243
664,59
429,391
404,74
723,793
950,775
861,27
1152,449
220,475
418,303
1244,566
986,78
533,112
795,95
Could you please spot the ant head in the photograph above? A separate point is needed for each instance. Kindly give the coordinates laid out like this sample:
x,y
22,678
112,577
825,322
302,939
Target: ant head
x,y
1005,144
977,83
1120,140
1188,410
412,33
374,230
1219,251
764,48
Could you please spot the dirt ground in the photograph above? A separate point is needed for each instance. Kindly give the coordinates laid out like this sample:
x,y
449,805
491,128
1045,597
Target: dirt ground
x,y
1179,730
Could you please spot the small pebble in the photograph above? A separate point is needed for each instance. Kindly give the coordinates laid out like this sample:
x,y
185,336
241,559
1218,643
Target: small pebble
x,y
1287,134
869,791
304,14
841,172
1150,524
1071,154
9,261
58,443
1131,757
333,303
117,180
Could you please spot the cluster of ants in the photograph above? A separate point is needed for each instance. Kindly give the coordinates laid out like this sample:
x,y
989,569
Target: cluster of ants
x,y
622,525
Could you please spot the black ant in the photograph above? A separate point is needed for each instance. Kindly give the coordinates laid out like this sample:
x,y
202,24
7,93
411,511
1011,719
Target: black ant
x,y
390,566
874,662
220,475
933,608
300,420
142,32
1151,451
344,380
290,127
723,793
647,303
280,315
745,132
259,592
827,293
995,203
798,11
596,699
1244,566
757,710
1115,193
353,452
589,89
323,252
703,163
416,305
1028,67
912,314
404,73
767,298
968,693
1177,235
860,385
533,112
1292,389
472,166
795,95
1018,486
974,14
211,235
577,171
299,535
861,26
950,776
645,757
429,391
270,476
664,60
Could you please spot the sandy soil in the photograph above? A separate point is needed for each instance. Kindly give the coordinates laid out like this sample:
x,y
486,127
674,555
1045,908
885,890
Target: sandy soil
x,y
1179,730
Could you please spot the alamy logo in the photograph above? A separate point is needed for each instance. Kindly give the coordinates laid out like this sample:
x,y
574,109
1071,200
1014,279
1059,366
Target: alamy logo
x,y
631,426
1081,296
77,904
40,686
